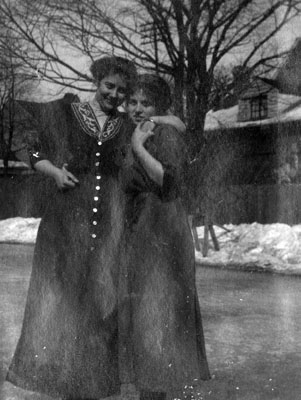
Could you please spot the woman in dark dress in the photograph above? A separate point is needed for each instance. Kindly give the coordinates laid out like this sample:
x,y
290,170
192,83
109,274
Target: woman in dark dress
x,y
163,335
69,341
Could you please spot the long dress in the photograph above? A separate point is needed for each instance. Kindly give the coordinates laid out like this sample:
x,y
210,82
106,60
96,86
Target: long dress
x,y
69,340
161,332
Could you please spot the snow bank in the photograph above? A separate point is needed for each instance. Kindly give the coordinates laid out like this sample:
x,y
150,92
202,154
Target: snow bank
x,y
19,230
275,247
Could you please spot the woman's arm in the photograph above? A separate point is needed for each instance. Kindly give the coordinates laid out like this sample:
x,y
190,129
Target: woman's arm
x,y
161,163
170,120
152,167
63,178
43,145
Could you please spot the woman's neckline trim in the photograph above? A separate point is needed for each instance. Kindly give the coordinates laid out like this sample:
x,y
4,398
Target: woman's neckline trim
x,y
87,120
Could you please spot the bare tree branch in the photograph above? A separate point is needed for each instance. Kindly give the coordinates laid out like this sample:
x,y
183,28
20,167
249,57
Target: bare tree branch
x,y
185,40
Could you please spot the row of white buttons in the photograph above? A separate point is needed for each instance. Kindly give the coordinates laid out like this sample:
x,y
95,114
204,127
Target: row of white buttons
x,y
96,198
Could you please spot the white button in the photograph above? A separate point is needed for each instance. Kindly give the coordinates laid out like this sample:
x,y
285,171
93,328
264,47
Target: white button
x,y
97,164
98,177
96,198
97,188
94,222
92,248
97,154
93,235
99,143
95,210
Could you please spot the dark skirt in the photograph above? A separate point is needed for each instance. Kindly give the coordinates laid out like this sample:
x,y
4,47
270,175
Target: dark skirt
x,y
69,340
119,309
163,339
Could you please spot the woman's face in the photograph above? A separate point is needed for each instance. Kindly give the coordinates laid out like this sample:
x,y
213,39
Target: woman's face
x,y
139,107
111,92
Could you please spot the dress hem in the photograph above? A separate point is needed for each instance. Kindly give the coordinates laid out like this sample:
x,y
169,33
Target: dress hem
x,y
17,381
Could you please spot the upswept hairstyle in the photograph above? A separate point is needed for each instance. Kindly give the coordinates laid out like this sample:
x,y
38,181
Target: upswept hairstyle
x,y
108,65
157,90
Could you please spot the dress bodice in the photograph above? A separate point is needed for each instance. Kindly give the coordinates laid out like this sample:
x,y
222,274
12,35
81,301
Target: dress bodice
x,y
166,146
76,138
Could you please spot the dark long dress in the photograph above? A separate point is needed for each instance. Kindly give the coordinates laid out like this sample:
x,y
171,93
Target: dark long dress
x,y
69,340
167,350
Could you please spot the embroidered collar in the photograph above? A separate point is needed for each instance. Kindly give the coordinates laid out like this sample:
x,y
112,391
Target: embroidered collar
x,y
88,122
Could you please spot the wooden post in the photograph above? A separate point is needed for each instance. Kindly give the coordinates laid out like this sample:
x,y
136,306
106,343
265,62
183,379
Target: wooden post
x,y
196,239
214,238
206,240
198,220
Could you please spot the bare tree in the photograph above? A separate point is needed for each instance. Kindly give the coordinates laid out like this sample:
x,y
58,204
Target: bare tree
x,y
228,84
185,40
14,84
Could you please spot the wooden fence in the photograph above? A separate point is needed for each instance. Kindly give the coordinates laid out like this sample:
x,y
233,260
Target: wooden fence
x,y
24,195
264,204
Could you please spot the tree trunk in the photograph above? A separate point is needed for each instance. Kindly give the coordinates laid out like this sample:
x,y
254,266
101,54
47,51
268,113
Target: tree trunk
x,y
179,93
197,95
197,107
196,121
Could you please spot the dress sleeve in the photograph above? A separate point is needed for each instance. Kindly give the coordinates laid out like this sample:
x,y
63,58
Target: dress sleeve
x,y
169,149
31,113
171,152
48,135
35,148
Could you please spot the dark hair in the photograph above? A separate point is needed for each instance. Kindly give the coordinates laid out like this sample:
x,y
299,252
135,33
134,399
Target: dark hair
x,y
107,65
156,89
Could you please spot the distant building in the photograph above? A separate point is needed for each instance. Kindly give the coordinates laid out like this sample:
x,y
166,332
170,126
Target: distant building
x,y
288,76
262,133
254,150
259,101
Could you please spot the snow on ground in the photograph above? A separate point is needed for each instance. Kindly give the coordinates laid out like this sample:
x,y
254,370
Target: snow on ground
x,y
275,247
19,230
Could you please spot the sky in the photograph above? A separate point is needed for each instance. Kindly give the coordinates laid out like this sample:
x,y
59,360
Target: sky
x,y
289,33
47,92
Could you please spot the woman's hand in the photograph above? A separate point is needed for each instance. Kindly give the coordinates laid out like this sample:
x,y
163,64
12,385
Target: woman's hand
x,y
153,167
64,179
142,132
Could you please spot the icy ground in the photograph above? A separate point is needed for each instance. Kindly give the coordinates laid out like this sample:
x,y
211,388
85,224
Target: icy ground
x,y
275,247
